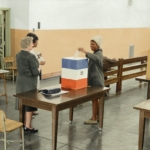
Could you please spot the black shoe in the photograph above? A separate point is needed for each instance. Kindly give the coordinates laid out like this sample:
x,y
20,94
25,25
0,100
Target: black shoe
x,y
30,130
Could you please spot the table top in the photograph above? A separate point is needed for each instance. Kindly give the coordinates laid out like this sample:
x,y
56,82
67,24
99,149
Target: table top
x,y
3,71
145,105
143,78
37,97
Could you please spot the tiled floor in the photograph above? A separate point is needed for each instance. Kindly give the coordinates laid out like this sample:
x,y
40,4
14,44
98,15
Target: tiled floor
x,y
120,130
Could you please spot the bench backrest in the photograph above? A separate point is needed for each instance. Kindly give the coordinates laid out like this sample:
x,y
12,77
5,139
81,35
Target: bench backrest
x,y
125,69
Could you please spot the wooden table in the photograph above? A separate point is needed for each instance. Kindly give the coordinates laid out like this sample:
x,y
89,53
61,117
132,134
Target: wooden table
x,y
144,109
58,103
144,79
2,76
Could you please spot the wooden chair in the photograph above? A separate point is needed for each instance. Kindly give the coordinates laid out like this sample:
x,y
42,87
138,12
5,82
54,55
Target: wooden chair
x,y
6,126
9,65
2,76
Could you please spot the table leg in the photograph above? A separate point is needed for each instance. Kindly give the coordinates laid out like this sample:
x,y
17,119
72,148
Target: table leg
x,y
141,130
101,111
13,75
148,91
54,127
20,111
3,78
71,114
21,115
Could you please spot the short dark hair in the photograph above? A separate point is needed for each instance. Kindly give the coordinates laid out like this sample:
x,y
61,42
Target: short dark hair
x,y
35,37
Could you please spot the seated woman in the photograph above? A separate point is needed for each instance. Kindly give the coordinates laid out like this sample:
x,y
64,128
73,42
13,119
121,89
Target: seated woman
x,y
95,73
28,71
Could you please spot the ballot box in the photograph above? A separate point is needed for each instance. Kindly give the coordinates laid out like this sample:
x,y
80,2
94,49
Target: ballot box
x,y
74,72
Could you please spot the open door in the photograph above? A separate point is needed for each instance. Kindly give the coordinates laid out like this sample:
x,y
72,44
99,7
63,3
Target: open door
x,y
1,38
4,34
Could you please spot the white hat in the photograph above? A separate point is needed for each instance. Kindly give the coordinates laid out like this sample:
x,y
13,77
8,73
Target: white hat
x,y
98,40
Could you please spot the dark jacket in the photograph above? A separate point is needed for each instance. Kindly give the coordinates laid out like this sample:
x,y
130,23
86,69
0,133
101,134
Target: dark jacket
x,y
27,66
95,68
107,61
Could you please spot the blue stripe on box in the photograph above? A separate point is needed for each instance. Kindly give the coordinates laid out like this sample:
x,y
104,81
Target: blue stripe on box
x,y
74,64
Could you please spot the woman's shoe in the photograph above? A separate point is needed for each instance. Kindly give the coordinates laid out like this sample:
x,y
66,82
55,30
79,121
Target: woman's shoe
x,y
90,122
97,118
30,130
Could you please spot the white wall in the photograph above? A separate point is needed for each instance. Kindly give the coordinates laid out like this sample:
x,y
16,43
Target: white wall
x,y
4,3
19,13
87,14
78,14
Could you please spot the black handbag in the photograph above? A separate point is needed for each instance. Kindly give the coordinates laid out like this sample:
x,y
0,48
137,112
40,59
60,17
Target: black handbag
x,y
50,91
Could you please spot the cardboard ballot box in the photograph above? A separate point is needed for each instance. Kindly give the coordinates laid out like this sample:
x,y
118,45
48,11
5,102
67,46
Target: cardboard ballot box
x,y
74,72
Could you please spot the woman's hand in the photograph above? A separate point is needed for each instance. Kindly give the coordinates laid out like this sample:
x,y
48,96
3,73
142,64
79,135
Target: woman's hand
x,y
42,63
39,68
82,50
39,54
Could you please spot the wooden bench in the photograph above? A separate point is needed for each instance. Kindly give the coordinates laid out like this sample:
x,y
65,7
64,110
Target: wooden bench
x,y
131,68
112,74
124,69
2,76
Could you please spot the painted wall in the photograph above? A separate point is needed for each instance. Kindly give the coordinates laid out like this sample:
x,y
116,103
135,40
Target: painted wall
x,y
67,25
87,14
19,13
4,3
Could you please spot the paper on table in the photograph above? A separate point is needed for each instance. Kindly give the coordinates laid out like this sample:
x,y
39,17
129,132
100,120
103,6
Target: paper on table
x,y
76,54
61,92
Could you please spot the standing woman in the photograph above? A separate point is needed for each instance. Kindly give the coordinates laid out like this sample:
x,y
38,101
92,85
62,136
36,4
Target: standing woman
x,y
39,58
95,73
37,55
28,71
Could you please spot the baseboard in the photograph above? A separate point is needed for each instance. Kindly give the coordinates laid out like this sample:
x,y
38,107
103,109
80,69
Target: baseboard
x,y
50,75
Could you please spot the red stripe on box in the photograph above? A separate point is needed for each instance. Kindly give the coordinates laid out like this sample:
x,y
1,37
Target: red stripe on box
x,y
73,84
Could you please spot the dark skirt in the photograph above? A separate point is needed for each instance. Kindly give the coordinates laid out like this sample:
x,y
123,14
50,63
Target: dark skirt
x,y
24,84
27,108
30,109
